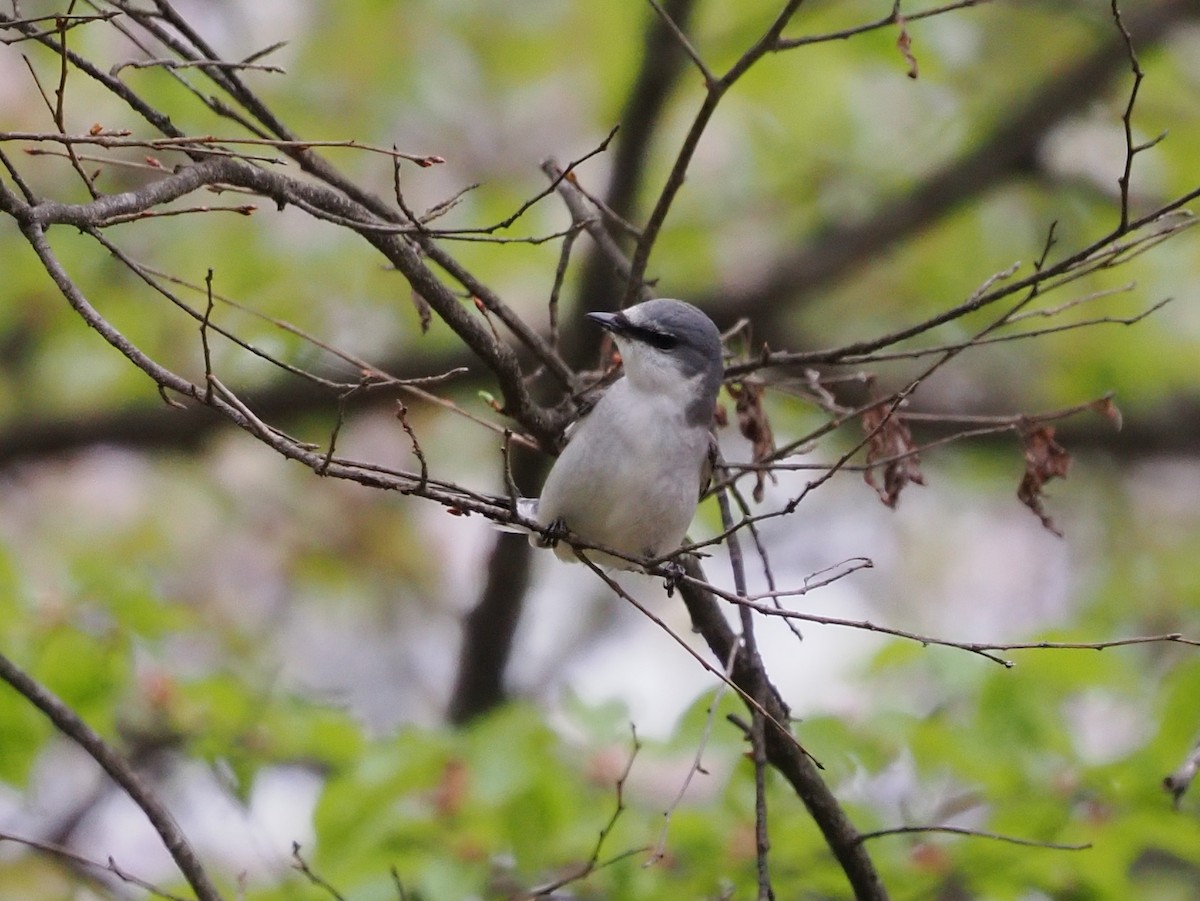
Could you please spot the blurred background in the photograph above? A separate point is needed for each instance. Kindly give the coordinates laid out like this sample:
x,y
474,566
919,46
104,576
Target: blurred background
x,y
284,655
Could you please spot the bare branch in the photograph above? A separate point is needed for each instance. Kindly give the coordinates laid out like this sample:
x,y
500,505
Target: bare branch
x,y
594,863
757,733
208,142
716,90
1127,117
750,700
518,403
891,19
402,415
676,32
68,722
976,833
170,63
302,865
660,847
111,866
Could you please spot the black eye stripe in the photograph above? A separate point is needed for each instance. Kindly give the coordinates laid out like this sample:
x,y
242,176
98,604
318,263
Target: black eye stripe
x,y
653,337
661,340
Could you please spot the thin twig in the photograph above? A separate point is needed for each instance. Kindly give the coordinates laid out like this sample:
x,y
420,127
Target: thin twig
x,y
983,649
334,432
510,483
573,197
1131,151
716,89
761,548
302,866
560,274
660,847
170,63
1101,253
593,863
402,415
975,833
654,618
521,210
60,97
890,19
110,866
124,139
758,741
208,369
676,32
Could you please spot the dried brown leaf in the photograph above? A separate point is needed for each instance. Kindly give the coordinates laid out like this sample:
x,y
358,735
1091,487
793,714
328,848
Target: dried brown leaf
x,y
720,416
889,440
904,44
755,426
1045,459
451,791
1106,408
423,311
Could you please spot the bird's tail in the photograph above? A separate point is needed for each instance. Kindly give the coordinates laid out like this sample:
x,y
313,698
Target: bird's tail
x,y
527,508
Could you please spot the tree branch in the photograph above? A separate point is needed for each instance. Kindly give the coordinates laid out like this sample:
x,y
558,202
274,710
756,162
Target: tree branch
x,y
69,723
683,160
782,750
1012,143
543,424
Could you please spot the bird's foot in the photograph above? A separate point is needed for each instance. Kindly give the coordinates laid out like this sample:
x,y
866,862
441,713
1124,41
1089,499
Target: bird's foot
x,y
555,532
674,575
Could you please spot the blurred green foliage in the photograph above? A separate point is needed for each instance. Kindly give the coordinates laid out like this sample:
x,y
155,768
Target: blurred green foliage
x,y
158,595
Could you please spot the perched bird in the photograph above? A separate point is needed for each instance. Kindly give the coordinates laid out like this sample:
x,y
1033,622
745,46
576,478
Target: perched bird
x,y
635,466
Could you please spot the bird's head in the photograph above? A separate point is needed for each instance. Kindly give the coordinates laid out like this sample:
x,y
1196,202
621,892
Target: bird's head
x,y
669,347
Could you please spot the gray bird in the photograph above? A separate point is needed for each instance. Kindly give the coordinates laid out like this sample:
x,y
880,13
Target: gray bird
x,y
635,466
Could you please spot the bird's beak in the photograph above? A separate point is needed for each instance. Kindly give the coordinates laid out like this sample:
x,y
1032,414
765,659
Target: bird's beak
x,y
610,322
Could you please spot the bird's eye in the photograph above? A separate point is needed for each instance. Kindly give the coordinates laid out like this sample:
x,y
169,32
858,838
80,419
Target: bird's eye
x,y
660,340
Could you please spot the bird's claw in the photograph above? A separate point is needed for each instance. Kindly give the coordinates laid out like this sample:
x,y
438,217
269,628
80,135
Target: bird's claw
x,y
674,575
555,532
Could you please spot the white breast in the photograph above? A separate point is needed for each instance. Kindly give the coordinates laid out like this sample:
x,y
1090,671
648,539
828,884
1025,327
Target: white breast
x,y
630,477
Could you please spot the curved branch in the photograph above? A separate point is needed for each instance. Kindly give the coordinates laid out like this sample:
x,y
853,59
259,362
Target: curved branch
x,y
543,424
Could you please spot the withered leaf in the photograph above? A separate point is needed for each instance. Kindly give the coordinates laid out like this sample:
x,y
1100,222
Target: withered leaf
x,y
904,44
720,416
890,440
755,426
1106,408
1045,459
452,788
423,311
